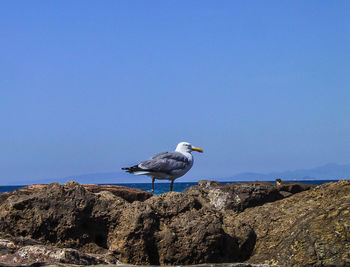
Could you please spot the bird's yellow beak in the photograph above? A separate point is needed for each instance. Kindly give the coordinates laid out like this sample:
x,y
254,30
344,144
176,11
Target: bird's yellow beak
x,y
197,149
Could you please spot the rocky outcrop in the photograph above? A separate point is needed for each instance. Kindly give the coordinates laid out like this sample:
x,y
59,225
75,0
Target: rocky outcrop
x,y
158,231
310,228
60,215
29,252
126,193
255,222
239,196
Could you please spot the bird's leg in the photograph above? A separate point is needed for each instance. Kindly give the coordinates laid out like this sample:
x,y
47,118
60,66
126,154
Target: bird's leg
x,y
153,179
171,185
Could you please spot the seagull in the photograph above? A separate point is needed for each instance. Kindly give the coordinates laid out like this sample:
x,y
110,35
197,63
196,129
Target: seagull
x,y
167,165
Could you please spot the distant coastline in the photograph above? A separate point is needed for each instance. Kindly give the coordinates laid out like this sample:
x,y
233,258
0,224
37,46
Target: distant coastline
x,y
330,171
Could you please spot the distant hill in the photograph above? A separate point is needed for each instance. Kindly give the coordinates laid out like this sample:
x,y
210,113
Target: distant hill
x,y
326,172
329,171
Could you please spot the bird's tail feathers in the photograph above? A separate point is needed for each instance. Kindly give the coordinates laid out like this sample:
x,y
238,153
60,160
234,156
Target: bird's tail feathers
x,y
135,170
141,172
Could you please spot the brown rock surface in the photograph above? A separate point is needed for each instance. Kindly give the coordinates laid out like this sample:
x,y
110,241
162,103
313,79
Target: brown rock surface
x,y
172,228
206,224
292,187
241,195
27,252
127,193
67,216
309,228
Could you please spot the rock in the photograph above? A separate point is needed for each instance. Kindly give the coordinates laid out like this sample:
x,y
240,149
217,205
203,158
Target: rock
x,y
239,196
43,255
310,228
23,251
126,193
292,187
171,229
129,194
255,222
7,247
26,190
64,215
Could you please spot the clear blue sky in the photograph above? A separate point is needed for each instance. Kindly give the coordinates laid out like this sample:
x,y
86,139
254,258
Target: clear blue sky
x,y
92,86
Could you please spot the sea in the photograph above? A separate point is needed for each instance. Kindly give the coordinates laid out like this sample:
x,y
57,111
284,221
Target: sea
x,y
160,188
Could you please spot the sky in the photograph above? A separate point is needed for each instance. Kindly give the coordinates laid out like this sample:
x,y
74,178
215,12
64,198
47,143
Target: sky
x,y
93,86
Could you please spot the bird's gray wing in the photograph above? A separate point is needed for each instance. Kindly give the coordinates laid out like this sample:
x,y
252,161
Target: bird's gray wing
x,y
165,162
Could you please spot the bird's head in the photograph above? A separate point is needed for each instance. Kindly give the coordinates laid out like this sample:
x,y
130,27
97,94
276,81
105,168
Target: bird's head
x,y
187,147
